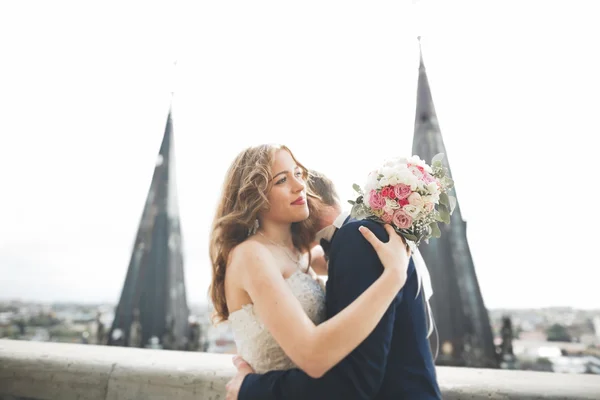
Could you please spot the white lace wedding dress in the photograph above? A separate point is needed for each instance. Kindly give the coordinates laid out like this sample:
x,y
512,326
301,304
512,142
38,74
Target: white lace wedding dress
x,y
254,342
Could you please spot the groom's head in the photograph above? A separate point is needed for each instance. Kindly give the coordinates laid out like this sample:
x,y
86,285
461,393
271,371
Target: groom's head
x,y
327,203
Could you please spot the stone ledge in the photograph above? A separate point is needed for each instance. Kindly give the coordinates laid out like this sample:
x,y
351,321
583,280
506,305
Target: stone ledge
x,y
42,370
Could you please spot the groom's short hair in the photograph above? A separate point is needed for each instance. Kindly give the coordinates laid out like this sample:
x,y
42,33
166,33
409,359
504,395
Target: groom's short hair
x,y
323,187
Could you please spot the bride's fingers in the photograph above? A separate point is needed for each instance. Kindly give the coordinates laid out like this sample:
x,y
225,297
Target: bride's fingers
x,y
392,233
241,365
378,244
395,236
389,229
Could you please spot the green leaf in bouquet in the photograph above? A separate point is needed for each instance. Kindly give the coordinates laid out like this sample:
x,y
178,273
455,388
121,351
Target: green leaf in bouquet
x,y
352,202
438,157
452,200
435,230
444,199
357,188
359,212
444,213
447,182
410,237
437,217
354,210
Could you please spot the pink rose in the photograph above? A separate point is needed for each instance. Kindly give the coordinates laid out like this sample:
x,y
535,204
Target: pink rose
x,y
427,178
415,200
388,210
402,220
391,192
417,171
387,218
385,192
403,202
428,207
376,201
402,191
418,167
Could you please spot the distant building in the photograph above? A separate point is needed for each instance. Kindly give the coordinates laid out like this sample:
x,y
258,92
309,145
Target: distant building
x,y
596,322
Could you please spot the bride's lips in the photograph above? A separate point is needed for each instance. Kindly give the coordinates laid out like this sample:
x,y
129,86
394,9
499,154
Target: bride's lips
x,y
299,201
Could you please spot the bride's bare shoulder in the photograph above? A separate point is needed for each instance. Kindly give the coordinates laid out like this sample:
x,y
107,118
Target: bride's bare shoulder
x,y
246,248
248,255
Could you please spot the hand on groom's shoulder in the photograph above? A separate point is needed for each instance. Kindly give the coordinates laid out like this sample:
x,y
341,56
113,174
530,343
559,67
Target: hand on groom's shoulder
x,y
351,248
350,230
368,249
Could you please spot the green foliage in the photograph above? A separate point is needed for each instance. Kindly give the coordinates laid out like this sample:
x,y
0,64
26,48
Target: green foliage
x,y
558,333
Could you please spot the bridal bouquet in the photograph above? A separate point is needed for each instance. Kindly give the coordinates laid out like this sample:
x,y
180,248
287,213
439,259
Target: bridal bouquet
x,y
410,195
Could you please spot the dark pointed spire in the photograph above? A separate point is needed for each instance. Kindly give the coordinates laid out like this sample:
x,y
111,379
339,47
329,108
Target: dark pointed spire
x,y
154,285
465,335
427,140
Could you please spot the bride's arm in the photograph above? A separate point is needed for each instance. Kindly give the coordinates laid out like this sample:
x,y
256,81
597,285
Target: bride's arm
x,y
315,349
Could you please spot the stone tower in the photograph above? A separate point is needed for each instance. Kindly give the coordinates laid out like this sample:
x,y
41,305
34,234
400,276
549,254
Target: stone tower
x,y
465,334
153,310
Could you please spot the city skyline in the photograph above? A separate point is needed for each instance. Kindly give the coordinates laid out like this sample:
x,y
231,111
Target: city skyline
x,y
85,115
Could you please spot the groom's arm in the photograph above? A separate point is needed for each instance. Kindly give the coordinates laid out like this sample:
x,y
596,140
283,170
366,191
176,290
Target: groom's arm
x,y
354,266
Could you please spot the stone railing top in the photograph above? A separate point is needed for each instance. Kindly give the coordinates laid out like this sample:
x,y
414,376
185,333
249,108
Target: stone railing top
x,y
40,370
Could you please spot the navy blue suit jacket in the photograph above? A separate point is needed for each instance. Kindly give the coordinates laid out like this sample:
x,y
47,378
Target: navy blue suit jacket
x,y
393,362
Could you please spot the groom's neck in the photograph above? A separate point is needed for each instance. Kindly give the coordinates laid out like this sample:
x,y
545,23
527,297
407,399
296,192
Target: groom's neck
x,y
329,215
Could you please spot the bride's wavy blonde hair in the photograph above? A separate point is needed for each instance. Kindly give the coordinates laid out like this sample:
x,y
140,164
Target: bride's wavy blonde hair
x,y
243,196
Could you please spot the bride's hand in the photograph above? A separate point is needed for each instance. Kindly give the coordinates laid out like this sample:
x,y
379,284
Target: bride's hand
x,y
394,255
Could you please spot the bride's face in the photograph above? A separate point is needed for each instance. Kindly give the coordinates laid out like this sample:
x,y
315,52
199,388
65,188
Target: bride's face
x,y
287,196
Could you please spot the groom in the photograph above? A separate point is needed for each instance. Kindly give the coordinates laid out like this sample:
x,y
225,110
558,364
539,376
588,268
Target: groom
x,y
393,362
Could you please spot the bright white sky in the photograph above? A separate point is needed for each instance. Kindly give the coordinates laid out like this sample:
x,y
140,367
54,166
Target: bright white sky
x,y
84,93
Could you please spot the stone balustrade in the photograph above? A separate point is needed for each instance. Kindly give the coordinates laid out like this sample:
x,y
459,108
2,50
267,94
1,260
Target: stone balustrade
x,y
42,370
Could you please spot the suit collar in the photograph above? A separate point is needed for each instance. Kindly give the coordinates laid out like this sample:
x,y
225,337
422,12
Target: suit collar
x,y
328,232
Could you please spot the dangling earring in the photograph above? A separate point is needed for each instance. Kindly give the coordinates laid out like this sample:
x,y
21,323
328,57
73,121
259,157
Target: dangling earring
x,y
254,228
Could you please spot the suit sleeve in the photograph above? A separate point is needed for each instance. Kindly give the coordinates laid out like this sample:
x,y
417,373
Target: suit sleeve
x,y
354,266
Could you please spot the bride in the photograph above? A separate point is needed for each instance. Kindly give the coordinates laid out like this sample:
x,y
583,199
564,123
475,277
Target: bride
x,y
263,283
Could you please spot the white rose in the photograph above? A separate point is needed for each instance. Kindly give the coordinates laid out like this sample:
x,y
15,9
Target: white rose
x,y
393,180
433,188
408,178
427,199
391,204
416,200
411,210
405,176
387,209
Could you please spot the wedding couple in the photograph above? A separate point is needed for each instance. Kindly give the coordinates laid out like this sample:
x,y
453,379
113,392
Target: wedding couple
x,y
364,337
